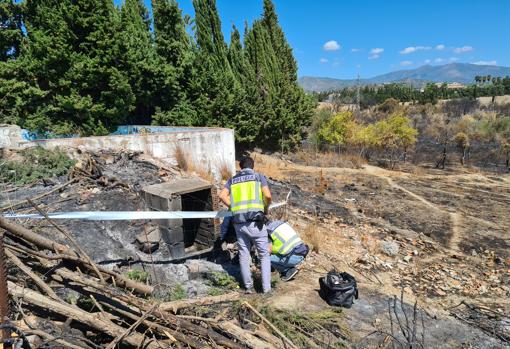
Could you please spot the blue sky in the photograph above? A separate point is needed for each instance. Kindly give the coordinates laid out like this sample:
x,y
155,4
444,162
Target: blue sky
x,y
339,38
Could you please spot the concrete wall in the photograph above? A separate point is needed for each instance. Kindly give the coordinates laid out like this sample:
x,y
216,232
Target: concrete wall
x,y
10,136
210,148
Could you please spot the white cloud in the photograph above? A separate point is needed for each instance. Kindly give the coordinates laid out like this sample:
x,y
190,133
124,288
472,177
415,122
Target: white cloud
x,y
406,63
485,63
375,53
412,49
427,61
331,45
463,49
440,47
355,49
438,60
323,60
453,59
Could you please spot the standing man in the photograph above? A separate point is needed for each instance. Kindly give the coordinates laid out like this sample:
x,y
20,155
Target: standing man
x,y
287,249
248,197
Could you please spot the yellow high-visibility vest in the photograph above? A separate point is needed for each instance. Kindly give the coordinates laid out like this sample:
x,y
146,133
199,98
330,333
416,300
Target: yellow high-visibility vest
x,y
284,239
246,196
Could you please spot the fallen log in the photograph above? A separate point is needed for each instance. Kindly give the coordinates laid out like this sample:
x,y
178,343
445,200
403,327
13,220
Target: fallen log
x,y
131,328
244,336
273,327
137,305
50,338
95,322
38,281
69,254
186,303
174,336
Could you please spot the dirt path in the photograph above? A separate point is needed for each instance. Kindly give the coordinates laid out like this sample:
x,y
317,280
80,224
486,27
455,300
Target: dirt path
x,y
455,217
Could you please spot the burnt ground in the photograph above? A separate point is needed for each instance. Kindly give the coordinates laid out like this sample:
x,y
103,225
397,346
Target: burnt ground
x,y
114,244
452,228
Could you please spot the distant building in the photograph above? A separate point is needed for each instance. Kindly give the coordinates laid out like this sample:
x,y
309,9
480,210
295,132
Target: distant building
x,y
452,85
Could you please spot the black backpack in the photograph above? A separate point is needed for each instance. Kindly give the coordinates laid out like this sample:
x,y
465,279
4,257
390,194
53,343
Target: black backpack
x,y
339,289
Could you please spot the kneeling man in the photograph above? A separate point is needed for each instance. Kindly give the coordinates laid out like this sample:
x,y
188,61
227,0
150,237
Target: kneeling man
x,y
286,248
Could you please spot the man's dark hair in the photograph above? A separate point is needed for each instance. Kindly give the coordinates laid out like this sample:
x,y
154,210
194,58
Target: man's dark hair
x,y
246,162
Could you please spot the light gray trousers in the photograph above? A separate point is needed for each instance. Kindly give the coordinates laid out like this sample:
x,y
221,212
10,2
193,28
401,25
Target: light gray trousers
x,y
248,234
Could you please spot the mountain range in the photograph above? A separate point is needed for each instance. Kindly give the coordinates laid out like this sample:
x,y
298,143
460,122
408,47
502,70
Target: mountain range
x,y
454,72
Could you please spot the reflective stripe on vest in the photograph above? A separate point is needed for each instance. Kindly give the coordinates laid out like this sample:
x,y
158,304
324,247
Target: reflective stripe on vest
x,y
246,194
284,239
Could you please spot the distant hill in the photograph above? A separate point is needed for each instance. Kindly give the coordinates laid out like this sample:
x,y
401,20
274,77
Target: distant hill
x,y
454,72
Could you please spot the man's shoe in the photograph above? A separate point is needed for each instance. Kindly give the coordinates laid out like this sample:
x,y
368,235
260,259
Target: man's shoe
x,y
249,291
290,274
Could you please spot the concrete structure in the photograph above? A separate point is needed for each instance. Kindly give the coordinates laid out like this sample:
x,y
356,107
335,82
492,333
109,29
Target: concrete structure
x,y
208,148
10,136
185,237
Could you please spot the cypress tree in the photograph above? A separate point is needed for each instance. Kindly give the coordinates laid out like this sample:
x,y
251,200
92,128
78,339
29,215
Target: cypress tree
x,y
175,47
151,83
214,90
10,33
286,107
71,59
172,41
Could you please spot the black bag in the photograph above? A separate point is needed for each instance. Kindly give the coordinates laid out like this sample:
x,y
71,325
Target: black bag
x,y
339,289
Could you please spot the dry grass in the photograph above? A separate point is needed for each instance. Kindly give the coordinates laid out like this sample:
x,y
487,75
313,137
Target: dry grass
x,y
187,164
184,159
321,183
225,172
205,174
313,236
270,167
330,159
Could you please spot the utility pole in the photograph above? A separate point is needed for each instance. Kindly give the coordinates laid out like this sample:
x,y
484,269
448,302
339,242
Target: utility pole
x,y
357,95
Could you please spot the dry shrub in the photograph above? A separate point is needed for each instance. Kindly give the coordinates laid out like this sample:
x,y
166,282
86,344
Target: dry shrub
x,y
419,171
225,172
321,183
184,159
345,160
313,237
205,173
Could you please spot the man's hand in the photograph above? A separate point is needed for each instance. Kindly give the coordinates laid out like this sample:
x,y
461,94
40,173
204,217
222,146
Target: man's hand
x,y
225,196
270,247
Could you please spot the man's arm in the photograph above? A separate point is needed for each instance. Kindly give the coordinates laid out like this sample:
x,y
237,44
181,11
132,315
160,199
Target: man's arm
x,y
225,196
266,193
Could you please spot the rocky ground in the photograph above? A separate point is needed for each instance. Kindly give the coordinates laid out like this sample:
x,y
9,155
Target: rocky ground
x,y
442,237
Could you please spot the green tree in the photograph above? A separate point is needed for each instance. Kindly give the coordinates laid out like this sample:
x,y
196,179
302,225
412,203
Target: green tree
x,y
69,65
138,59
11,25
340,129
395,134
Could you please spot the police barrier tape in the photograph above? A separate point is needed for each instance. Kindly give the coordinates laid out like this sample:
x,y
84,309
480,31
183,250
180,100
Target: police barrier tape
x,y
132,215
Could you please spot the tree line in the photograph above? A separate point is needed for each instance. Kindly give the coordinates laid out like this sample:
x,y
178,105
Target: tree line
x,y
371,95
86,66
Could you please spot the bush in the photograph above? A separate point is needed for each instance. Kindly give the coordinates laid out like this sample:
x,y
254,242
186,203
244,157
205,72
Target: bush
x,y
223,280
38,163
138,275
177,292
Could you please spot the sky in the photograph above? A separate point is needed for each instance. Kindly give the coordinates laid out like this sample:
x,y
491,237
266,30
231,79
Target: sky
x,y
341,38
